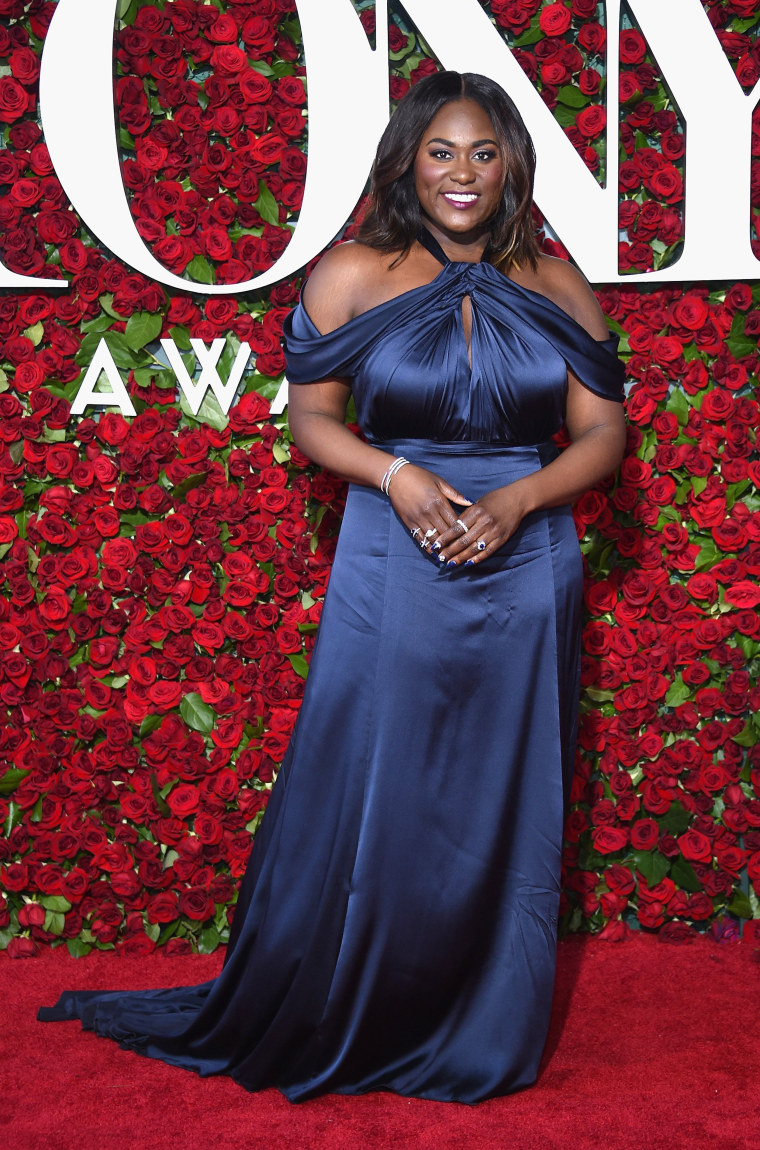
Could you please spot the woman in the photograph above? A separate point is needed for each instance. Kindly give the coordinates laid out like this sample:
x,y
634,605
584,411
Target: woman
x,y
396,927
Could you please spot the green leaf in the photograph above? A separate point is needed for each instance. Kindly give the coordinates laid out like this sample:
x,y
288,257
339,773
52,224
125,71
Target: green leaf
x,y
564,116
188,484
280,68
54,922
35,333
142,328
208,940
679,405
676,819
11,779
678,693
106,302
55,902
741,346
572,97
13,818
530,36
124,355
740,905
77,948
181,337
266,205
743,24
200,270
684,876
299,665
149,724
263,384
749,736
163,807
708,554
196,713
599,696
209,412
652,865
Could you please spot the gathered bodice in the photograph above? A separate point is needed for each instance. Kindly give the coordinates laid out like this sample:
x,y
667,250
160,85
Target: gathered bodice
x,y
411,375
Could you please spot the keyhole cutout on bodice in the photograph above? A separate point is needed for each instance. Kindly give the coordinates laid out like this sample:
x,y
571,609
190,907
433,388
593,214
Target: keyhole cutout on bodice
x,y
467,326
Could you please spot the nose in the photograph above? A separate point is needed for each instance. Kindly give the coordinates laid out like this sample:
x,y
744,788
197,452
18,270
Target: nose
x,y
463,171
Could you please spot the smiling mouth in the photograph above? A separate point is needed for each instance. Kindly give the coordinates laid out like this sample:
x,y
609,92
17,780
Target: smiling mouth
x,y
463,198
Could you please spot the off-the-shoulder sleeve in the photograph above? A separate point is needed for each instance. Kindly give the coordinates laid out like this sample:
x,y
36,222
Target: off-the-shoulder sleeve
x,y
311,356
598,367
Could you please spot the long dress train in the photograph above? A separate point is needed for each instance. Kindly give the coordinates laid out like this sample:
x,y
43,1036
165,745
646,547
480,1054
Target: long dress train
x,y
396,928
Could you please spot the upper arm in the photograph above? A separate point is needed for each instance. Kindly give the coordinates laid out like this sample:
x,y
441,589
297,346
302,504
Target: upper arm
x,y
332,294
571,291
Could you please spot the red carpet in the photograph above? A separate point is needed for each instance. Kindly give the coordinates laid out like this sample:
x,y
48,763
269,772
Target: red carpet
x,y
652,1045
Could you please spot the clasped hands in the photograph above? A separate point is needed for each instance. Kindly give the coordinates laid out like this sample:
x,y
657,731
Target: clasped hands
x,y
424,501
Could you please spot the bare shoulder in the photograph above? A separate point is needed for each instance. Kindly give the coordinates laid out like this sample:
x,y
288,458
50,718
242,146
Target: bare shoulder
x,y
338,286
564,285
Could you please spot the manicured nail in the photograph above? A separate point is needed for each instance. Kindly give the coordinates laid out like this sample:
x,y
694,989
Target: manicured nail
x,y
441,558
437,545
469,562
451,563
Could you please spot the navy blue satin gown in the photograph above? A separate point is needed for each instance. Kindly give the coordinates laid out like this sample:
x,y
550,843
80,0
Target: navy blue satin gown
x,y
396,928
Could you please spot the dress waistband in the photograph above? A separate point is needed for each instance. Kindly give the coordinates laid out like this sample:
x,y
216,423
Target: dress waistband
x,y
545,452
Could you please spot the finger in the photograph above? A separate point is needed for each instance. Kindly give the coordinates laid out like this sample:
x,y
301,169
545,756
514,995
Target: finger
x,y
460,537
454,495
443,520
479,551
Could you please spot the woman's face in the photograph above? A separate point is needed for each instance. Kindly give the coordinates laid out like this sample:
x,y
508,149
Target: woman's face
x,y
459,170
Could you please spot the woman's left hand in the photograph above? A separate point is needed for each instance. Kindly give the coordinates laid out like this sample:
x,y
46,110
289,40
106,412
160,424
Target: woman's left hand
x,y
489,523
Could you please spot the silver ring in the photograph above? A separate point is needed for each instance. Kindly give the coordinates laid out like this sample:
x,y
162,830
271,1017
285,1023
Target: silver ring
x,y
431,531
464,526
481,546
416,532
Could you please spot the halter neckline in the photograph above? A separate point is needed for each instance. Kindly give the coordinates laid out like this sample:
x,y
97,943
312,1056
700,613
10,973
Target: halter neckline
x,y
430,243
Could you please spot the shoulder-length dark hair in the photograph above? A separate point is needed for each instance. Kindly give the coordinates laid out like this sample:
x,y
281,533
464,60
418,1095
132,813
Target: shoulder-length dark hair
x,y
393,216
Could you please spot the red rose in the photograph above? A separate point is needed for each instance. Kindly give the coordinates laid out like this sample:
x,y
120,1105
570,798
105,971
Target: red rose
x,y
163,907
183,800
14,100
695,847
197,904
743,594
644,835
554,20
691,311
607,840
591,121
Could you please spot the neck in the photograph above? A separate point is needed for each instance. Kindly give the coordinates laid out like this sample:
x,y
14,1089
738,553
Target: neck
x,y
465,248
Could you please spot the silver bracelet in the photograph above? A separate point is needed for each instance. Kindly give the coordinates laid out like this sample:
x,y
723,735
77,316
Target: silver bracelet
x,y
397,464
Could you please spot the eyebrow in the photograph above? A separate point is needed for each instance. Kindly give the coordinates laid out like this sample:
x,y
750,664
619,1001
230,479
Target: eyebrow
x,y
451,144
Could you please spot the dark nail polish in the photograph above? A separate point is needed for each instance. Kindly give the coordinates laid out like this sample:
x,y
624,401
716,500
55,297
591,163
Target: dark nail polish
x,y
451,563
437,546
469,563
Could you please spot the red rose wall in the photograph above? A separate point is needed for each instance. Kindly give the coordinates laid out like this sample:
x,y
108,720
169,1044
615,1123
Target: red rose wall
x,y
162,576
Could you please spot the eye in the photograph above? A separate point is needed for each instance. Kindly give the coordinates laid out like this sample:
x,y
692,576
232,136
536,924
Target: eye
x,y
441,154
485,155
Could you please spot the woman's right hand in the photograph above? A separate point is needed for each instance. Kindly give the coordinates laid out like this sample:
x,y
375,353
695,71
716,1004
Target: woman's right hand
x,y
423,501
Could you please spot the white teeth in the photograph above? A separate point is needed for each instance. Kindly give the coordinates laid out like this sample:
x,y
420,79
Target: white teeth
x,y
461,197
